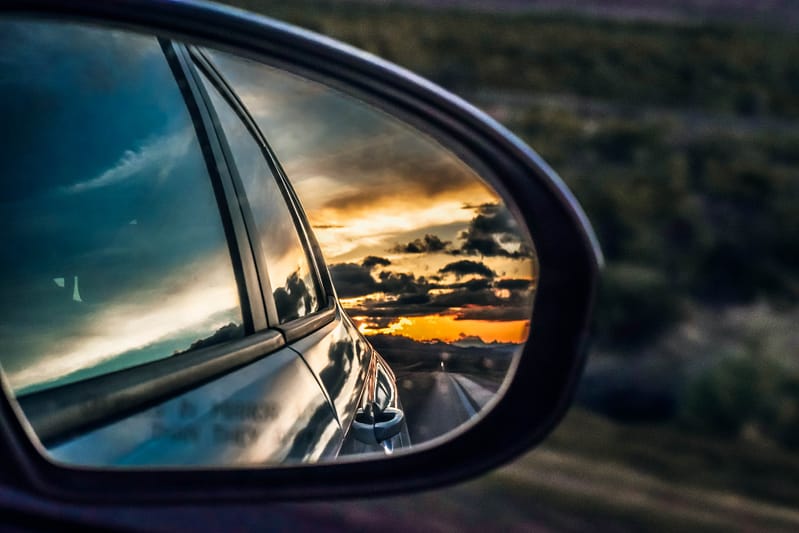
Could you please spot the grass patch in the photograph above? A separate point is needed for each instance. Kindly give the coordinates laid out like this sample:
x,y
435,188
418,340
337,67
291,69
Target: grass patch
x,y
753,469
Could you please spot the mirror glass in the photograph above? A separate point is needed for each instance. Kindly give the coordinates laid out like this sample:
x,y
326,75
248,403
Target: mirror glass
x,y
209,261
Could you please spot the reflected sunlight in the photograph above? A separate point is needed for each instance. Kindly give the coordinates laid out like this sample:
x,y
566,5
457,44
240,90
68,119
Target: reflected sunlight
x,y
449,328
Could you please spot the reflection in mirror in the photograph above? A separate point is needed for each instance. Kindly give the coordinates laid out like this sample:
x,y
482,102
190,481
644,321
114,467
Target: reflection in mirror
x,y
280,244
424,255
167,298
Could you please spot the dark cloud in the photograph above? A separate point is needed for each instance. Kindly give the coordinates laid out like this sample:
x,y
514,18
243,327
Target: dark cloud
x,y
473,301
466,297
392,309
476,284
352,280
373,261
498,313
294,299
466,267
402,283
464,303
227,332
413,299
493,233
514,284
408,295
430,243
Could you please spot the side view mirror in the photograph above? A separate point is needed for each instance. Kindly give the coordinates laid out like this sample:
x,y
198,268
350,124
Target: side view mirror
x,y
248,257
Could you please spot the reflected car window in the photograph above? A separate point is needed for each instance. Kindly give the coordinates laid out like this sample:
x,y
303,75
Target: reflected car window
x,y
114,251
293,286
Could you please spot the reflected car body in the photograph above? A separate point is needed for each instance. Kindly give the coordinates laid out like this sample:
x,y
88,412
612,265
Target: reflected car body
x,y
273,409
280,378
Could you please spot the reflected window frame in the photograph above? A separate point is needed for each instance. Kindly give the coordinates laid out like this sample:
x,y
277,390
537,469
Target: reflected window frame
x,y
322,283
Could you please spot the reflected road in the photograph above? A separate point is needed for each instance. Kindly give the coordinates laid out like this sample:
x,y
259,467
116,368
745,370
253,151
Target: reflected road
x,y
438,401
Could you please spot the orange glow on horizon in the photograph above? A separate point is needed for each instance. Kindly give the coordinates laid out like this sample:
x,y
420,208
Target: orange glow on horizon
x,y
446,328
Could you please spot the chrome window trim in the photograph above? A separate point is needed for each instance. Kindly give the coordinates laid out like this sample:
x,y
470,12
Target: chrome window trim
x,y
206,66
304,326
239,245
237,196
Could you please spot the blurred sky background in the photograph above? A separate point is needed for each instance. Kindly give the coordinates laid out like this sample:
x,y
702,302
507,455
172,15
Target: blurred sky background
x,y
675,126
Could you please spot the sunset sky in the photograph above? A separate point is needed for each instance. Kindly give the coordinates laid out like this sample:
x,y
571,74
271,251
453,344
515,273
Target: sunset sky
x,y
418,245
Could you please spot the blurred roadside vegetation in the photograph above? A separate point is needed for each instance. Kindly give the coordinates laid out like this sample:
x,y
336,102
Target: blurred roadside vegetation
x,y
715,67
680,141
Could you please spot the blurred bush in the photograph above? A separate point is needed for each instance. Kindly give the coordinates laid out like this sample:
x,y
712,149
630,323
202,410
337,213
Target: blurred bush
x,y
745,396
737,69
638,303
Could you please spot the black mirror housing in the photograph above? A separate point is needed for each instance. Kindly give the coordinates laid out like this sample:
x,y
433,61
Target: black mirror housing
x,y
569,263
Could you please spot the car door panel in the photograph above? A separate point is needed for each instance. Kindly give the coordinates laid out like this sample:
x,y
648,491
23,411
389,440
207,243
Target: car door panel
x,y
340,358
269,411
